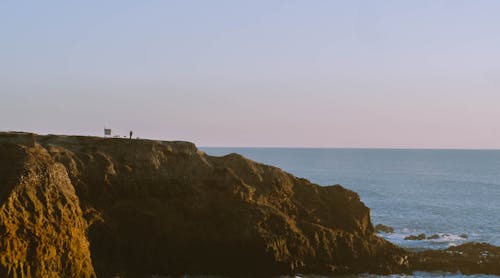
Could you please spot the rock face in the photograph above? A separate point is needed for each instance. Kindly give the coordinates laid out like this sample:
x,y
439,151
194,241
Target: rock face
x,y
42,229
81,206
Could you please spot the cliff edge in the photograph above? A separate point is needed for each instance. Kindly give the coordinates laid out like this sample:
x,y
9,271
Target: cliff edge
x,y
86,206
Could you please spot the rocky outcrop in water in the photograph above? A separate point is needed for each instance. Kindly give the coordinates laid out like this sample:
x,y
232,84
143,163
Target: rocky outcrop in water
x,y
435,236
468,258
413,237
384,229
81,206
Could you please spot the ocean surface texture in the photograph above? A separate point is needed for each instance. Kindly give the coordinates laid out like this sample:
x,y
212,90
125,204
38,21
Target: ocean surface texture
x,y
454,194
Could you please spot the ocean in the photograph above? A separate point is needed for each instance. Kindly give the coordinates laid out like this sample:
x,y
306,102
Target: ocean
x,y
454,194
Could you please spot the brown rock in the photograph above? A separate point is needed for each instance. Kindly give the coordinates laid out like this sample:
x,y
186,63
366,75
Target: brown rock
x,y
468,258
383,228
153,207
42,231
167,208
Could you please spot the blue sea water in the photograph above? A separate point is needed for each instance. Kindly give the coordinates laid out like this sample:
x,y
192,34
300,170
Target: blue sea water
x,y
451,193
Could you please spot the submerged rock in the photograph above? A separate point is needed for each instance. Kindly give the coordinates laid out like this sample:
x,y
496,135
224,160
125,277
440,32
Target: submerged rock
x,y
383,228
79,206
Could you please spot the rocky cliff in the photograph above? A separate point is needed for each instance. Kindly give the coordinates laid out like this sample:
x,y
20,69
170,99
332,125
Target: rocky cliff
x,y
87,206
42,229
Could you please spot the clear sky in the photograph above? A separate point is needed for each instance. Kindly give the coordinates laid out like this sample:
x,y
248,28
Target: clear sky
x,y
417,74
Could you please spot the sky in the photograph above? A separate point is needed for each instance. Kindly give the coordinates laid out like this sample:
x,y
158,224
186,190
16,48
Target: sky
x,y
360,74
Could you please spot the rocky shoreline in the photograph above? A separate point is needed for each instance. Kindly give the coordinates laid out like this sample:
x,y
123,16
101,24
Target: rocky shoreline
x,y
74,206
468,258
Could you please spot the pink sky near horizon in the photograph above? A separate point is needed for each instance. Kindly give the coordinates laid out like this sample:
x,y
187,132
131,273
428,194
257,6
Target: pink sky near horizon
x,y
384,74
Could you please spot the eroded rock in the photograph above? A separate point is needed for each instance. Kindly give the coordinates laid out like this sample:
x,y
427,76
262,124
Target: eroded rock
x,y
167,208
42,229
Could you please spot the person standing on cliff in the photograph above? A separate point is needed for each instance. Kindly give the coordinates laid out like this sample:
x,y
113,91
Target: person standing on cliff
x,y
130,134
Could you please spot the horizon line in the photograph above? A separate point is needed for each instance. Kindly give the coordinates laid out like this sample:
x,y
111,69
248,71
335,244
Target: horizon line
x,y
357,148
